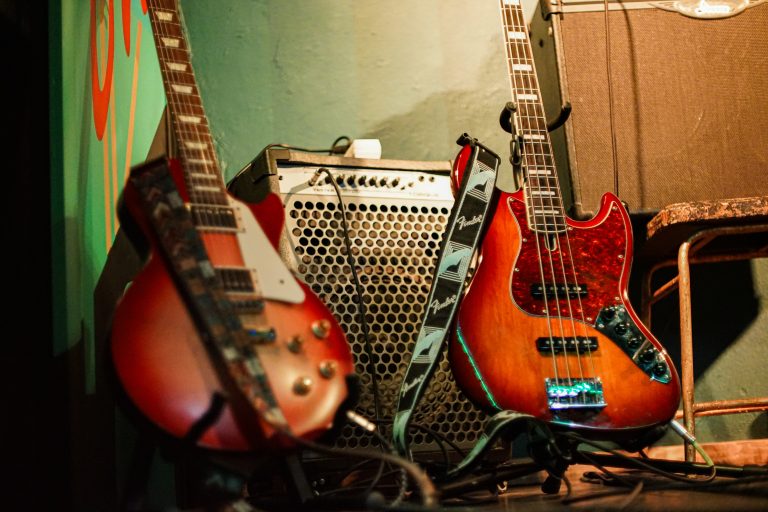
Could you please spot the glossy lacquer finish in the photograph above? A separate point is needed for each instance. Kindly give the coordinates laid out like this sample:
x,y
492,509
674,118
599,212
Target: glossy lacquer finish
x,y
494,354
167,372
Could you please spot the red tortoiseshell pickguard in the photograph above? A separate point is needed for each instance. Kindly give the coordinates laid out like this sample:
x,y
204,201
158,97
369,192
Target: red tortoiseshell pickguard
x,y
591,255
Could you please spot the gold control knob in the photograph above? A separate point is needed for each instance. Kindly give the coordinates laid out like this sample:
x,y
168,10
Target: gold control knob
x,y
302,386
321,328
327,369
294,344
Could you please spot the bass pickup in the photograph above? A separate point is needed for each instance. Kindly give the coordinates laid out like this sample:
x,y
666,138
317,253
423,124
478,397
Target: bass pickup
x,y
568,344
558,291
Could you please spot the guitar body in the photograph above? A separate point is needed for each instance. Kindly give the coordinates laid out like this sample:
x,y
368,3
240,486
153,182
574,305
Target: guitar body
x,y
167,373
544,353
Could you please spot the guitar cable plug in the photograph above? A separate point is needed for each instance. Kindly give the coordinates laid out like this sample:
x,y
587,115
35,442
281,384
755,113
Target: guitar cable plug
x,y
316,176
690,439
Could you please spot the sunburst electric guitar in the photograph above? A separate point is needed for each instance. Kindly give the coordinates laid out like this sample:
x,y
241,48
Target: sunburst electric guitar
x,y
161,357
546,326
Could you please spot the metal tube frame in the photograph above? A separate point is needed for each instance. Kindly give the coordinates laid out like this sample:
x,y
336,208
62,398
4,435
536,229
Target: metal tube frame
x,y
686,256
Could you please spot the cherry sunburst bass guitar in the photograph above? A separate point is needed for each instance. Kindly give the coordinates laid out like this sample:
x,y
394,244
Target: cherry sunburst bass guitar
x,y
161,358
545,326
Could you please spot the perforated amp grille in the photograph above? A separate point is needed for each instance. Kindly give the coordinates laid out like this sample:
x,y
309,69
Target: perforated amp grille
x,y
396,232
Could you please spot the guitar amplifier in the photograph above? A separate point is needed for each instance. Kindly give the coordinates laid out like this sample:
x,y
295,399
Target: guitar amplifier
x,y
396,214
690,100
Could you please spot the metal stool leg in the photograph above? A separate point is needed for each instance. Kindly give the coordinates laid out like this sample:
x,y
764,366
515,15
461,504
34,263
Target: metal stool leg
x,y
686,344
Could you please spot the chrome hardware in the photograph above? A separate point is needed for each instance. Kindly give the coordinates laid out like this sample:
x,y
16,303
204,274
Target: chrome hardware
x,y
564,394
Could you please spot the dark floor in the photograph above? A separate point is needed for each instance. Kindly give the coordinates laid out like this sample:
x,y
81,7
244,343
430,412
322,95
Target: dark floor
x,y
586,490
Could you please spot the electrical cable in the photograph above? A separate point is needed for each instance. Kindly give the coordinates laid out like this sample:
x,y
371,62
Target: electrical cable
x,y
424,484
644,465
364,327
358,290
334,149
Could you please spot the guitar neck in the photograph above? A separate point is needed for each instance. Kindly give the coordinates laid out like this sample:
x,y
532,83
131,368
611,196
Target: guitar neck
x,y
202,174
542,188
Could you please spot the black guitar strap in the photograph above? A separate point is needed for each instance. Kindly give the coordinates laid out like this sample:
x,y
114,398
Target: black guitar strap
x,y
203,291
466,226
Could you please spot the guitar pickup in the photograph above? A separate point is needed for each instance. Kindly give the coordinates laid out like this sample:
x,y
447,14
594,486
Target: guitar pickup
x,y
568,344
558,291
236,280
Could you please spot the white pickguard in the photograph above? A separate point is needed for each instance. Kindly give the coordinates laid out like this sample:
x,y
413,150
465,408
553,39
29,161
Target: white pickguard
x,y
275,281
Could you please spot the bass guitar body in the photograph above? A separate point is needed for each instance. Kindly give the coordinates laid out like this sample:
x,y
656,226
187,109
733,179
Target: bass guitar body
x,y
546,327
165,369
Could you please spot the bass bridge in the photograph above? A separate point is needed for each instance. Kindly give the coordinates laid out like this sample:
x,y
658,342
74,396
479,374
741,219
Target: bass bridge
x,y
567,394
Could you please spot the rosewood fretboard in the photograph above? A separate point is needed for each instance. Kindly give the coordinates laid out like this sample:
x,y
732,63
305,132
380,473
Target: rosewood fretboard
x,y
204,182
542,189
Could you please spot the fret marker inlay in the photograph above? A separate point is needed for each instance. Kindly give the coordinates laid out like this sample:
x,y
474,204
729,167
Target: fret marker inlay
x,y
522,67
183,89
171,42
195,145
189,119
522,36
527,97
176,66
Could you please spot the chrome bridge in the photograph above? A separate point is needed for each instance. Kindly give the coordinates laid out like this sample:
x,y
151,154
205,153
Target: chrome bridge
x,y
575,394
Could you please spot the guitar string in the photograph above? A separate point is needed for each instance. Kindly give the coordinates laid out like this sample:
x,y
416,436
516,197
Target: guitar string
x,y
541,151
546,153
177,103
204,201
180,103
206,197
513,79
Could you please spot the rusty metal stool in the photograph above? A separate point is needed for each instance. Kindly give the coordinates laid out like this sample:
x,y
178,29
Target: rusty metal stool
x,y
702,232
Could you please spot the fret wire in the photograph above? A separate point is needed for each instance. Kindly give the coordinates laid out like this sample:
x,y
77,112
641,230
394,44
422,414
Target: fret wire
x,y
531,117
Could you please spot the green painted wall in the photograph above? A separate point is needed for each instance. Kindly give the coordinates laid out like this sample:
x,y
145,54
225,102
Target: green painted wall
x,y
94,167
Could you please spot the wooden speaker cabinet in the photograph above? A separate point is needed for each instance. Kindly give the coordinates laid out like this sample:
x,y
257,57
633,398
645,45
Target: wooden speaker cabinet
x,y
690,102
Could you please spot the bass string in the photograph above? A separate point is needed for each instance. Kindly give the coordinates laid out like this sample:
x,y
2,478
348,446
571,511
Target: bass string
x,y
258,394
508,18
541,150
